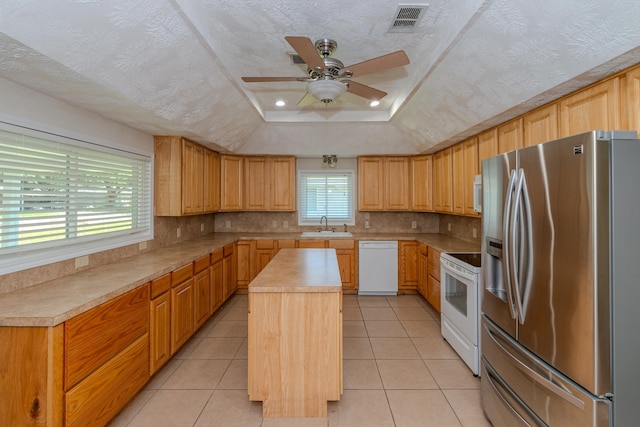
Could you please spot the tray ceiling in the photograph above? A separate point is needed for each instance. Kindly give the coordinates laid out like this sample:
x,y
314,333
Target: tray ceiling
x,y
174,66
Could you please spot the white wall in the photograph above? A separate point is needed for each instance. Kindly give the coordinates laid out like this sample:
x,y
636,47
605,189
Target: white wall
x,y
22,106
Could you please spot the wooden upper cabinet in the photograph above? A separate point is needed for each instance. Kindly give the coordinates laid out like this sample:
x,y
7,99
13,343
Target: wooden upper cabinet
x,y
182,173
231,178
256,184
633,99
442,181
510,136
269,183
370,183
283,183
465,168
211,181
396,183
541,125
457,162
421,183
487,146
597,107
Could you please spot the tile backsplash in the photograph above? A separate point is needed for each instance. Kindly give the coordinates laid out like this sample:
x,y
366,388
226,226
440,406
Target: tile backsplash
x,y
166,233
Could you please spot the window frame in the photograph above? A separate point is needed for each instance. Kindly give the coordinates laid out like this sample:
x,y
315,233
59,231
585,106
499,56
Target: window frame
x,y
330,221
22,257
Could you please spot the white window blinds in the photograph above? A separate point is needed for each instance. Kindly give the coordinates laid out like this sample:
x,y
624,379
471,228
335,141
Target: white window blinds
x,y
53,193
327,194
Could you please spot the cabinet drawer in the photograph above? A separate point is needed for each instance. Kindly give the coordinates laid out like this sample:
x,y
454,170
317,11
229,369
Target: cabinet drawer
x,y
264,244
181,274
201,263
97,335
341,244
433,263
106,391
228,250
216,256
160,285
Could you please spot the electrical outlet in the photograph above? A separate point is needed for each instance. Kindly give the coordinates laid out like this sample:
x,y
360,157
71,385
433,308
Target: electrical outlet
x,y
366,223
366,215
414,224
202,226
178,232
285,224
142,246
227,224
475,233
449,226
82,261
274,224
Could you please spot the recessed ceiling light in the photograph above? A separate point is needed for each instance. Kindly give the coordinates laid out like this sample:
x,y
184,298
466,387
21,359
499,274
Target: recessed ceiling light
x,y
374,103
280,103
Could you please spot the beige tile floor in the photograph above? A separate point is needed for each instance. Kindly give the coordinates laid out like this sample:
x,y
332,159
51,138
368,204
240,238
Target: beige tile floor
x,y
398,371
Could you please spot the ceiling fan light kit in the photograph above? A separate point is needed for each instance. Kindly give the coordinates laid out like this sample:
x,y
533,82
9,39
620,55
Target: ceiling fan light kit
x,y
325,74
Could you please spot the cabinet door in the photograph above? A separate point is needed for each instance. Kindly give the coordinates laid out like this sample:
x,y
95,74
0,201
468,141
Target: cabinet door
x,y
470,169
265,250
422,270
487,146
433,292
421,184
541,125
396,183
229,266
283,184
160,330
442,181
211,181
217,281
370,183
510,136
407,265
202,297
595,108
181,314
256,184
458,176
633,99
346,254
231,178
192,177
245,266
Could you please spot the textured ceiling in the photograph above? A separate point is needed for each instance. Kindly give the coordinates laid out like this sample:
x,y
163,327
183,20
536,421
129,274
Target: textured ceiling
x,y
174,66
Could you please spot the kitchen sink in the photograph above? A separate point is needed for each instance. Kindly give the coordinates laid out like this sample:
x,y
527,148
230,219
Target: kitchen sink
x,y
327,233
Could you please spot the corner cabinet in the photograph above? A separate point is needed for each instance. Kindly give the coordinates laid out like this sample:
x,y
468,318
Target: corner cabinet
x,y
186,177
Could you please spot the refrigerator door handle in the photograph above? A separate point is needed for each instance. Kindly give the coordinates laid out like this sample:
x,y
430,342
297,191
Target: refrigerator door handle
x,y
507,250
521,234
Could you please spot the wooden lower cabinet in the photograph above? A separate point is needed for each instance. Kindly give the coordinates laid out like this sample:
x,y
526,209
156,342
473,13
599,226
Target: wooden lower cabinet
x,y
433,278
407,266
160,331
422,270
217,281
201,291
346,252
182,298
244,270
265,250
229,271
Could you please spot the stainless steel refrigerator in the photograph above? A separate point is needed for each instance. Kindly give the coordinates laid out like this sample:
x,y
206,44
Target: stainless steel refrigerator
x,y
560,334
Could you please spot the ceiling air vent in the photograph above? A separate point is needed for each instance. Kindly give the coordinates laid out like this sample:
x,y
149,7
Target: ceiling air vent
x,y
296,59
407,18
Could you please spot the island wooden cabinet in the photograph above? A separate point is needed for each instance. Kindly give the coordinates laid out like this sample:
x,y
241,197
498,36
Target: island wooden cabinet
x,y
433,278
186,177
421,168
407,265
383,183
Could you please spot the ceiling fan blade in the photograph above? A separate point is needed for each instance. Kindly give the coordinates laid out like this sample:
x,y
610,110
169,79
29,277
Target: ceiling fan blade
x,y
273,79
307,51
307,99
381,63
365,91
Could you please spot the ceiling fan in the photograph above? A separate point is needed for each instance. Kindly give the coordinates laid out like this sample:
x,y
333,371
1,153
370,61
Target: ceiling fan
x,y
328,78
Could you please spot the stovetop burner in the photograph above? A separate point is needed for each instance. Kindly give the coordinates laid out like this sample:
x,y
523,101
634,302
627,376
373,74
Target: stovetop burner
x,y
471,258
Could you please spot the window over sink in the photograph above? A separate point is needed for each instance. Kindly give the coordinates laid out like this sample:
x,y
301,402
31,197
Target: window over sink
x,y
326,194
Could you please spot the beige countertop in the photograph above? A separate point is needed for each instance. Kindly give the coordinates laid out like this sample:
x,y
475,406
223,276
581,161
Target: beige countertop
x,y
53,302
300,270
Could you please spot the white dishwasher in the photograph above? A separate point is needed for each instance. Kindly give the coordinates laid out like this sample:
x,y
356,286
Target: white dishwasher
x,y
377,267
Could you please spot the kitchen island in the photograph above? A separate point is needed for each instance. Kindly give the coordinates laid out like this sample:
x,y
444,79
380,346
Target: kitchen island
x,y
295,334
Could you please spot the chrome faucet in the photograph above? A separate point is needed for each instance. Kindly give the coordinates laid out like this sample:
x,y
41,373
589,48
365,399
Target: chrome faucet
x,y
326,222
